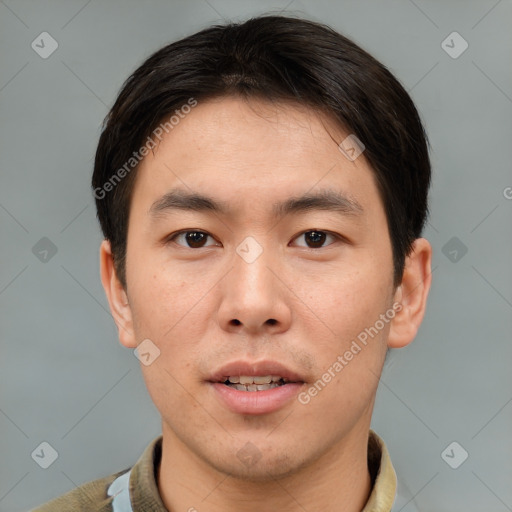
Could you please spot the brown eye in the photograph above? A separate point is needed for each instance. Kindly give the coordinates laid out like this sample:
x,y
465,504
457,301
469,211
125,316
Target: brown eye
x,y
315,238
193,239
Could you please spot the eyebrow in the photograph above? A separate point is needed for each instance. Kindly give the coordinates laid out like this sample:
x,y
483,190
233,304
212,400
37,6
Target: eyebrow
x,y
325,199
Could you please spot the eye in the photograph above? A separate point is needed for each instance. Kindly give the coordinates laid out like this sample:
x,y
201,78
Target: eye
x,y
316,238
194,239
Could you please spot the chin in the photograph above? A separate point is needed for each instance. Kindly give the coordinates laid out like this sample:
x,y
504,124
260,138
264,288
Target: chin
x,y
261,468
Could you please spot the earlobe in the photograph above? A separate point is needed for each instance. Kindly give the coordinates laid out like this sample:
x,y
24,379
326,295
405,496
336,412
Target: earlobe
x,y
412,295
116,296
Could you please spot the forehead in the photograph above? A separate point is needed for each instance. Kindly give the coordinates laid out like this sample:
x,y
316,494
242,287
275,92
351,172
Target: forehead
x,y
240,151
260,127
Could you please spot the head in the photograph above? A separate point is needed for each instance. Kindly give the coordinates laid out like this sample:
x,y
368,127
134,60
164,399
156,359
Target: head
x,y
262,188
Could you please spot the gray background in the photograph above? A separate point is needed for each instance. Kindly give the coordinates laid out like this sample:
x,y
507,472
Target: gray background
x,y
64,377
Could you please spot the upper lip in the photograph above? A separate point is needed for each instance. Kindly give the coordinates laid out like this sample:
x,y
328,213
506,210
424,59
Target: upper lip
x,y
254,369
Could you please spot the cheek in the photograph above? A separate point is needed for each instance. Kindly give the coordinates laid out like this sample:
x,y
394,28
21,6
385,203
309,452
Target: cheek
x,y
160,299
350,354
346,302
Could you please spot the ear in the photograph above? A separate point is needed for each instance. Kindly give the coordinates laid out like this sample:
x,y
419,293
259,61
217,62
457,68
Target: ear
x,y
117,297
412,295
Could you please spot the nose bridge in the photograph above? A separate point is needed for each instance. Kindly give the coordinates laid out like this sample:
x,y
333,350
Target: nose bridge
x,y
252,299
253,257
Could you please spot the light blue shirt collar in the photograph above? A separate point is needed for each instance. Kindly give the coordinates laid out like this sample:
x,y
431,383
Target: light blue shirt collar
x,y
120,489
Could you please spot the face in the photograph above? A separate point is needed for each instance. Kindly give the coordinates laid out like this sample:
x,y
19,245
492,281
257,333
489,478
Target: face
x,y
253,290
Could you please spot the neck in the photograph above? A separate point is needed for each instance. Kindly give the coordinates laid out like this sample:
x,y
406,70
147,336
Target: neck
x,y
338,480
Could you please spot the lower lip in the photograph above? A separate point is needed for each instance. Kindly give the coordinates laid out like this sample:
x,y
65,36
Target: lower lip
x,y
256,402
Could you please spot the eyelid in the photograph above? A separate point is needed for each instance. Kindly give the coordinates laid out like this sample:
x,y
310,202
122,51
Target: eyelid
x,y
328,233
170,239
336,236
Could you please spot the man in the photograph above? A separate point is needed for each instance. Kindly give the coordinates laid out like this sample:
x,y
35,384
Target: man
x,y
262,188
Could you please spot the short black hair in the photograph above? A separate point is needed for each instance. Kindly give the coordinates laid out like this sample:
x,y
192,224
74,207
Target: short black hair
x,y
275,58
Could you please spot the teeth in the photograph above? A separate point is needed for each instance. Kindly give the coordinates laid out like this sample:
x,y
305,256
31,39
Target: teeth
x,y
256,387
263,380
247,380
263,387
255,383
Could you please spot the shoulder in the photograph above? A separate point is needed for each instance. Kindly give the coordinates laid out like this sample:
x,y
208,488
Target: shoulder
x,y
89,497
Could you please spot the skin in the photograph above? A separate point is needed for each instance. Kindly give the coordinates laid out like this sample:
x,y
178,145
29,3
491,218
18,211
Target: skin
x,y
186,300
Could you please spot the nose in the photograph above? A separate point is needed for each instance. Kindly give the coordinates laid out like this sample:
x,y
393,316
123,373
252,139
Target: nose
x,y
254,296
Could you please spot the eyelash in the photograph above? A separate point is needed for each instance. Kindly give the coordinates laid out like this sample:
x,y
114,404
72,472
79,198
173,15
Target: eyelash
x,y
173,236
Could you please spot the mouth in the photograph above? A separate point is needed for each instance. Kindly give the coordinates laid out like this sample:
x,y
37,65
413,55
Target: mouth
x,y
255,388
255,383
